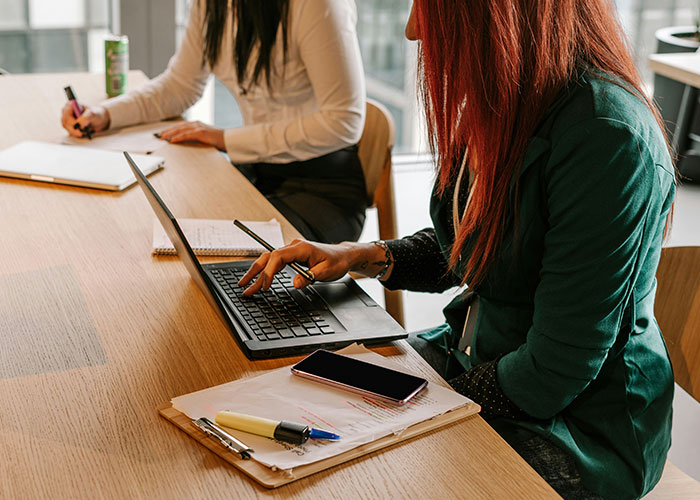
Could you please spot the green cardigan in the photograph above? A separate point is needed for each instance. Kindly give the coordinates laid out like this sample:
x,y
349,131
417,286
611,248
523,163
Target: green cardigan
x,y
570,305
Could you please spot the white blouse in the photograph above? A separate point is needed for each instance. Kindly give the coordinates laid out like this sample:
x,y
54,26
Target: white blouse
x,y
315,103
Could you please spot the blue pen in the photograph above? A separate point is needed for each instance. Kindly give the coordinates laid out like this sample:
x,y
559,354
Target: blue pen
x,y
319,434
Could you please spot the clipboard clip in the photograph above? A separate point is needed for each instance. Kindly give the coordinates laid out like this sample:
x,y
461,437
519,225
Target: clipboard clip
x,y
227,440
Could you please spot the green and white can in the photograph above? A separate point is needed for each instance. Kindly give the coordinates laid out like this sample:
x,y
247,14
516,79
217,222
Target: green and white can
x,y
116,64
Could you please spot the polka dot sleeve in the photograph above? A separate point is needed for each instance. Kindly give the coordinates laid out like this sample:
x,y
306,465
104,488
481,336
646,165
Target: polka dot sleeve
x,y
419,265
481,386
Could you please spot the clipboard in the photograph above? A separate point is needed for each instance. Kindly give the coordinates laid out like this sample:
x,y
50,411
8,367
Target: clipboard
x,y
274,478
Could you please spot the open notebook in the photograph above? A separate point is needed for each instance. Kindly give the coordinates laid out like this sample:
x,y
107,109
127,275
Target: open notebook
x,y
219,237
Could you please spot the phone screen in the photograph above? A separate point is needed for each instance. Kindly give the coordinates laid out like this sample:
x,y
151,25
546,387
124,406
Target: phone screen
x,y
359,376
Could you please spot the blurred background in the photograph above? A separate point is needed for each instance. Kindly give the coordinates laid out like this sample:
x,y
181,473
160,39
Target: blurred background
x,y
38,36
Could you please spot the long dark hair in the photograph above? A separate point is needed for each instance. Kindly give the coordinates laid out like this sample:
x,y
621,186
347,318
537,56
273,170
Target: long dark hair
x,y
256,23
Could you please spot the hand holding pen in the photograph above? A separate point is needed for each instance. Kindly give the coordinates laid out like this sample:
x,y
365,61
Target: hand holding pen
x,y
81,121
325,262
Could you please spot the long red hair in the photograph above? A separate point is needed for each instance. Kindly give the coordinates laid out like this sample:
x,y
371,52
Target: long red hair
x,y
488,70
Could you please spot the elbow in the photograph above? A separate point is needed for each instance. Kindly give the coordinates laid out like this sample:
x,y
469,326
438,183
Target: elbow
x,y
540,389
547,411
350,127
344,126
357,124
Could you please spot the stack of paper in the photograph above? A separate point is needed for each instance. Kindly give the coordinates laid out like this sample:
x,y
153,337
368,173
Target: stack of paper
x,y
279,395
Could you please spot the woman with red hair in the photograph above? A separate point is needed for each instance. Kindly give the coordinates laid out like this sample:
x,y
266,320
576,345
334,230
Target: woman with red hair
x,y
553,190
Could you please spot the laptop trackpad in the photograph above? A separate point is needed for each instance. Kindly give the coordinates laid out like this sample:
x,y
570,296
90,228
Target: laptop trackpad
x,y
340,296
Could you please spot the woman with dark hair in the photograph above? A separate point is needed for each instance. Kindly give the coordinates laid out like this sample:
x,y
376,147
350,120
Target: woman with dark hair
x,y
554,187
294,68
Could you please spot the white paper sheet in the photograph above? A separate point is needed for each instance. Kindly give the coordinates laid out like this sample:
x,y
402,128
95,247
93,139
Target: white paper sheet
x,y
279,395
219,237
136,139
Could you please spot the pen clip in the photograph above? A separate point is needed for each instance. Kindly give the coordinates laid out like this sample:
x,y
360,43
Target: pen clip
x,y
226,439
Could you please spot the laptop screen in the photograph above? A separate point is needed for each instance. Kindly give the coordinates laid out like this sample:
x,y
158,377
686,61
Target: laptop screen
x,y
177,237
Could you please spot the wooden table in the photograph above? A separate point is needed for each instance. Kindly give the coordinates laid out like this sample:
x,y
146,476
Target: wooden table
x,y
96,333
683,67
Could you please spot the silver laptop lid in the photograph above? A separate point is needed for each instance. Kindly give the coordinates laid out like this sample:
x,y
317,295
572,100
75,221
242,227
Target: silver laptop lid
x,y
73,165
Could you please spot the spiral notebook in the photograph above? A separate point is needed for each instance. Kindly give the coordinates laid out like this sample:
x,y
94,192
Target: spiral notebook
x,y
219,237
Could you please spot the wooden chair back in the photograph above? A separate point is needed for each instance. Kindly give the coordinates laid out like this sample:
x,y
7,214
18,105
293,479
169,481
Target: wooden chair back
x,y
677,312
374,150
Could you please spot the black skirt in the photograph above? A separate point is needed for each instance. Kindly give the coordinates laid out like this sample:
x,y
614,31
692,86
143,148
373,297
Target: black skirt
x,y
324,198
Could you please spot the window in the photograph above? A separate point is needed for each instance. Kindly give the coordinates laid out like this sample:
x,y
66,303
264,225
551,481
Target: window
x,y
390,59
641,19
53,35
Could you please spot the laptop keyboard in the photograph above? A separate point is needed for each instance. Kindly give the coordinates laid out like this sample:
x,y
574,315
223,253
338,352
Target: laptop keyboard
x,y
275,313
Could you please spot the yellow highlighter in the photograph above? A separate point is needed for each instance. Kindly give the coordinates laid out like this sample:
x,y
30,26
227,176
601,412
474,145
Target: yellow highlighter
x,y
289,432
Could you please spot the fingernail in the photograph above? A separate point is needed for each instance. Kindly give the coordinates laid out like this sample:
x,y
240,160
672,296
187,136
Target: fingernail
x,y
156,134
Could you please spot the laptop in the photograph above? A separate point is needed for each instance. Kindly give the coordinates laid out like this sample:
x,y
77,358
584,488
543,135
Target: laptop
x,y
282,321
73,165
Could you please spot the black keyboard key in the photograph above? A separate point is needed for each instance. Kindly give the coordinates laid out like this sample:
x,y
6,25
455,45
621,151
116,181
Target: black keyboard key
x,y
299,331
285,333
275,313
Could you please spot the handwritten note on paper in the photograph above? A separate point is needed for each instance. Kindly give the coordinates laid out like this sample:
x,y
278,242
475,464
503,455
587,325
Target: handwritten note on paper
x,y
280,395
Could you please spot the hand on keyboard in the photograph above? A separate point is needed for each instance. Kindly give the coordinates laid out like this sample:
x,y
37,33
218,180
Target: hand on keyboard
x,y
326,263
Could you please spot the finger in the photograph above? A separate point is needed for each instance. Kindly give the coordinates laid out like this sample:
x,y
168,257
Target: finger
x,y
75,132
267,275
189,135
68,121
175,129
275,263
84,120
255,287
323,271
254,269
182,136
300,281
67,113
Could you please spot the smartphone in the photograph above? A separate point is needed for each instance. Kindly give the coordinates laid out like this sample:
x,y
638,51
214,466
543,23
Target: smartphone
x,y
359,377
